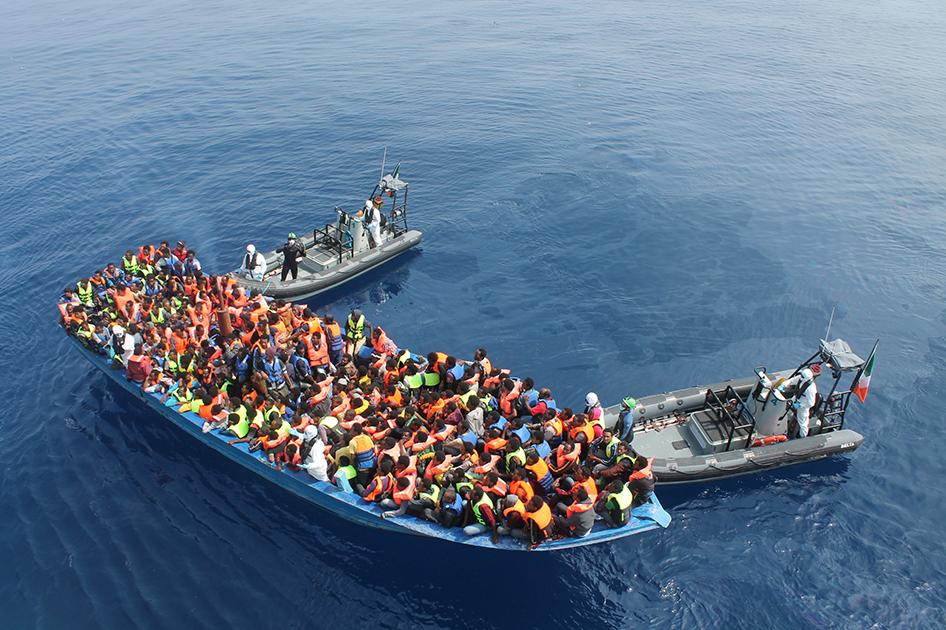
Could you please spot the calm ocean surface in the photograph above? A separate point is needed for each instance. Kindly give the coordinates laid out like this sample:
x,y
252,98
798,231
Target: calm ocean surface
x,y
620,196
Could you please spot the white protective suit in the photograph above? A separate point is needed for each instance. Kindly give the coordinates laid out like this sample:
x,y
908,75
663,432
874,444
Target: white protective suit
x,y
254,264
315,463
805,401
372,221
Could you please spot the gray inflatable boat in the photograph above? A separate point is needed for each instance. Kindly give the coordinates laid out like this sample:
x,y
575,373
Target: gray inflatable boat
x,y
343,250
745,425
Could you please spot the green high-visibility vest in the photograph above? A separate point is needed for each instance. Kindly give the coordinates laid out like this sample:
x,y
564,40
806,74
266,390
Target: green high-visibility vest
x,y
479,504
355,330
432,495
622,499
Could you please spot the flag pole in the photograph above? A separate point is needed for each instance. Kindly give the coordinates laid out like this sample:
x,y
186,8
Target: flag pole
x,y
830,321
383,160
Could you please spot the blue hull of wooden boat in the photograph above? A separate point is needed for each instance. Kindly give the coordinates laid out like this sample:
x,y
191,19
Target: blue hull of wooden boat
x,y
352,507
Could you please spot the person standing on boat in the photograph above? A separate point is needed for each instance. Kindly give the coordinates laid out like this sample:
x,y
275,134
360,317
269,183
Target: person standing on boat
x,y
355,331
805,393
292,251
372,220
254,264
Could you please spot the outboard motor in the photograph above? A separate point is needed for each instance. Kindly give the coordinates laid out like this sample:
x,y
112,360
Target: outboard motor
x,y
767,406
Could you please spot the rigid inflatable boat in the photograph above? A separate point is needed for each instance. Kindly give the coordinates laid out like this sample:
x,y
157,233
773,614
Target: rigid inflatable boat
x,y
646,517
343,250
742,426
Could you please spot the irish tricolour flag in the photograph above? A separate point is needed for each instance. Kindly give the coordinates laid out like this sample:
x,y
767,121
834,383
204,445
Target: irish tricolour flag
x,y
862,384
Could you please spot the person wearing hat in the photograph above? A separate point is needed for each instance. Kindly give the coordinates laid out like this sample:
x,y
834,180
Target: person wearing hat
x,y
292,251
122,345
624,428
254,264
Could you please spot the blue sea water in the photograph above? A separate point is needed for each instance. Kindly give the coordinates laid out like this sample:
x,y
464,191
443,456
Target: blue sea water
x,y
627,197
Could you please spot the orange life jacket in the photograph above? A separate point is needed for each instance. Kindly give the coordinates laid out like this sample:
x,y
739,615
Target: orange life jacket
x,y
406,494
519,508
382,485
522,489
579,507
541,517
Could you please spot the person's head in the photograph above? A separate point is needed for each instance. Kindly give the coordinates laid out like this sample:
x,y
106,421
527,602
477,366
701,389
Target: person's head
x,y
528,383
606,435
534,504
233,419
616,486
492,477
386,466
403,462
480,354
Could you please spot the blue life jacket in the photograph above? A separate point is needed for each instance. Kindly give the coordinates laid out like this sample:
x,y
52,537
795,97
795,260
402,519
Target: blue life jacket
x,y
334,342
365,459
469,437
243,366
532,397
274,371
501,423
365,351
524,434
543,449
457,372
457,504
549,404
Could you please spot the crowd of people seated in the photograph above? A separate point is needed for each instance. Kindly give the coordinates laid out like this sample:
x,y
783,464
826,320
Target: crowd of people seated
x,y
460,443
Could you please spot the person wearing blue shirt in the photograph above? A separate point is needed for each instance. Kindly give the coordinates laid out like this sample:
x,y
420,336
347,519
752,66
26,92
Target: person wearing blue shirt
x,y
540,445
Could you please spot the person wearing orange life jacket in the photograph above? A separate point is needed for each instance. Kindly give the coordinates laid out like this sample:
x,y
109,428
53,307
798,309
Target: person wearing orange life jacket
x,y
382,485
381,343
333,339
579,517
565,457
509,398
362,447
538,518
405,488
513,517
539,472
521,486
494,486
642,480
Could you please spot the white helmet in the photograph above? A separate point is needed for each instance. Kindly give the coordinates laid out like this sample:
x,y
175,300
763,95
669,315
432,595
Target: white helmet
x,y
250,248
591,399
807,374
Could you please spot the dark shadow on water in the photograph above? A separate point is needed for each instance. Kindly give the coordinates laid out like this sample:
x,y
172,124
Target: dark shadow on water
x,y
819,475
375,286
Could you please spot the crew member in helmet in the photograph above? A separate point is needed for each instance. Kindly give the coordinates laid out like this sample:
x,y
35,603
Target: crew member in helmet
x,y
254,264
292,251
805,392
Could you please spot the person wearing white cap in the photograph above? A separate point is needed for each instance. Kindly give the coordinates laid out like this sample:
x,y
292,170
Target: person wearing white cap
x,y
122,345
594,411
254,264
315,463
